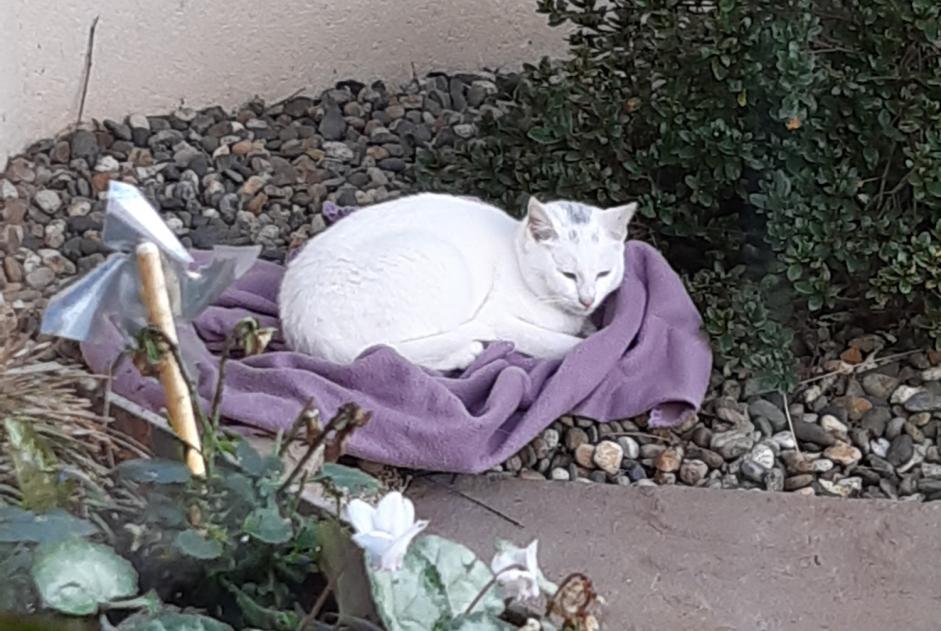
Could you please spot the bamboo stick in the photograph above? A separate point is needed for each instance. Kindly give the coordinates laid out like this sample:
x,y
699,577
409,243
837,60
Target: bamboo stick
x,y
179,404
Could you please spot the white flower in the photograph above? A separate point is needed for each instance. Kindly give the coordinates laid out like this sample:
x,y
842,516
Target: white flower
x,y
385,531
519,583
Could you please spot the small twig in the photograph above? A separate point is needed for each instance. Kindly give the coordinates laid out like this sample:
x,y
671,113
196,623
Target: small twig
x,y
300,492
644,434
319,603
106,404
885,174
790,422
291,436
493,581
901,183
866,365
89,53
215,409
361,623
312,446
478,502
832,49
290,96
109,380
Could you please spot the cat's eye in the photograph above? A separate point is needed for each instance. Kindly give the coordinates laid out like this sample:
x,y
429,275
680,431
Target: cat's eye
x,y
569,275
604,273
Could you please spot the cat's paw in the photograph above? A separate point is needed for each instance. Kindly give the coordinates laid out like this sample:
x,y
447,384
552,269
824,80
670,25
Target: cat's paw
x,y
459,360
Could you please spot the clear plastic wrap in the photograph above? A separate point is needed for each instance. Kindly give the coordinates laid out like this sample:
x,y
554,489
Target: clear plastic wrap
x,y
109,295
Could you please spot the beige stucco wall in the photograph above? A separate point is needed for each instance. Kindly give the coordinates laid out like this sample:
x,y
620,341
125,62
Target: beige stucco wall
x,y
152,55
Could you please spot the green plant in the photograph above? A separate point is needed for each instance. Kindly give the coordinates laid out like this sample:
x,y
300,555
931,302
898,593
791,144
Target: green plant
x,y
798,138
236,545
749,340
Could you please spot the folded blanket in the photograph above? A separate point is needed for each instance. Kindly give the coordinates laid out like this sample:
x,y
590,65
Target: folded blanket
x,y
649,355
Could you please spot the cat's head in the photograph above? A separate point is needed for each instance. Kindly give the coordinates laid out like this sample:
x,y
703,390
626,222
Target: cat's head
x,y
572,255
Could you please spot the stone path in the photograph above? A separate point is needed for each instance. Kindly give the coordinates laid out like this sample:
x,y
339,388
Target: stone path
x,y
698,559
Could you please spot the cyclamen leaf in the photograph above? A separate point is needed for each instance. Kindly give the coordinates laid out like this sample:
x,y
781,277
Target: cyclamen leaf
x,y
267,525
438,580
347,478
154,471
76,577
171,621
18,525
194,544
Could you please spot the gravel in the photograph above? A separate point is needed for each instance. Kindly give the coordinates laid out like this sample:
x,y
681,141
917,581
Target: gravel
x,y
261,173
856,434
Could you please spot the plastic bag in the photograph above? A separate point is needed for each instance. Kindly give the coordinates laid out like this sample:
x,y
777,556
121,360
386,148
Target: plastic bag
x,y
108,297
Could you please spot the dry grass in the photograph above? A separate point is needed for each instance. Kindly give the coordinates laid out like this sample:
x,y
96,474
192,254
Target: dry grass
x,y
36,388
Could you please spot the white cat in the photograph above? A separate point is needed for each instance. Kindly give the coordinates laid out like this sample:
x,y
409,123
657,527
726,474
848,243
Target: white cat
x,y
436,276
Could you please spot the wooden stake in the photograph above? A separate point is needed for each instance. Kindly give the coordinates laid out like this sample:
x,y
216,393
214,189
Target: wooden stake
x,y
179,404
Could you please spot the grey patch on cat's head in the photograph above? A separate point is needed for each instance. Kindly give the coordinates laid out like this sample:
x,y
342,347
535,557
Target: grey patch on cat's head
x,y
573,235
577,213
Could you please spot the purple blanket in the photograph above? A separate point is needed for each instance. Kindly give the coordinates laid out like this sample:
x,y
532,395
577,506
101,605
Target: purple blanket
x,y
648,355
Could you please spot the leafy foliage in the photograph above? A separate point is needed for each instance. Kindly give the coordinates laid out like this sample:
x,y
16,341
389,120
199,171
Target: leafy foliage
x,y
436,584
76,577
18,526
171,621
232,542
798,138
239,535
347,478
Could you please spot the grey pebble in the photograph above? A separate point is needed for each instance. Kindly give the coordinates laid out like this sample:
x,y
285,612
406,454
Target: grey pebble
x,y
731,445
879,385
753,471
923,402
770,411
876,419
40,277
630,447
901,450
798,481
84,145
774,480
894,428
48,200
813,433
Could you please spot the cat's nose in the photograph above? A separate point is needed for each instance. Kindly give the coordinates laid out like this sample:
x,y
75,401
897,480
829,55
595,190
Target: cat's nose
x,y
586,301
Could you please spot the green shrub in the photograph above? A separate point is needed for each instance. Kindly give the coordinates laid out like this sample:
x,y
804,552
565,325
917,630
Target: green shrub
x,y
799,138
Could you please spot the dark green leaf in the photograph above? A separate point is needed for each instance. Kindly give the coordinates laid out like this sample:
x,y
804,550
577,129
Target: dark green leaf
x,y
267,525
262,617
542,135
348,479
17,525
154,471
171,621
76,577
249,459
804,287
194,544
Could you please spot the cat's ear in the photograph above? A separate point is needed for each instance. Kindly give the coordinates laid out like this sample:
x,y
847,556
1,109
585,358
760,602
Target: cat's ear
x,y
538,221
615,219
